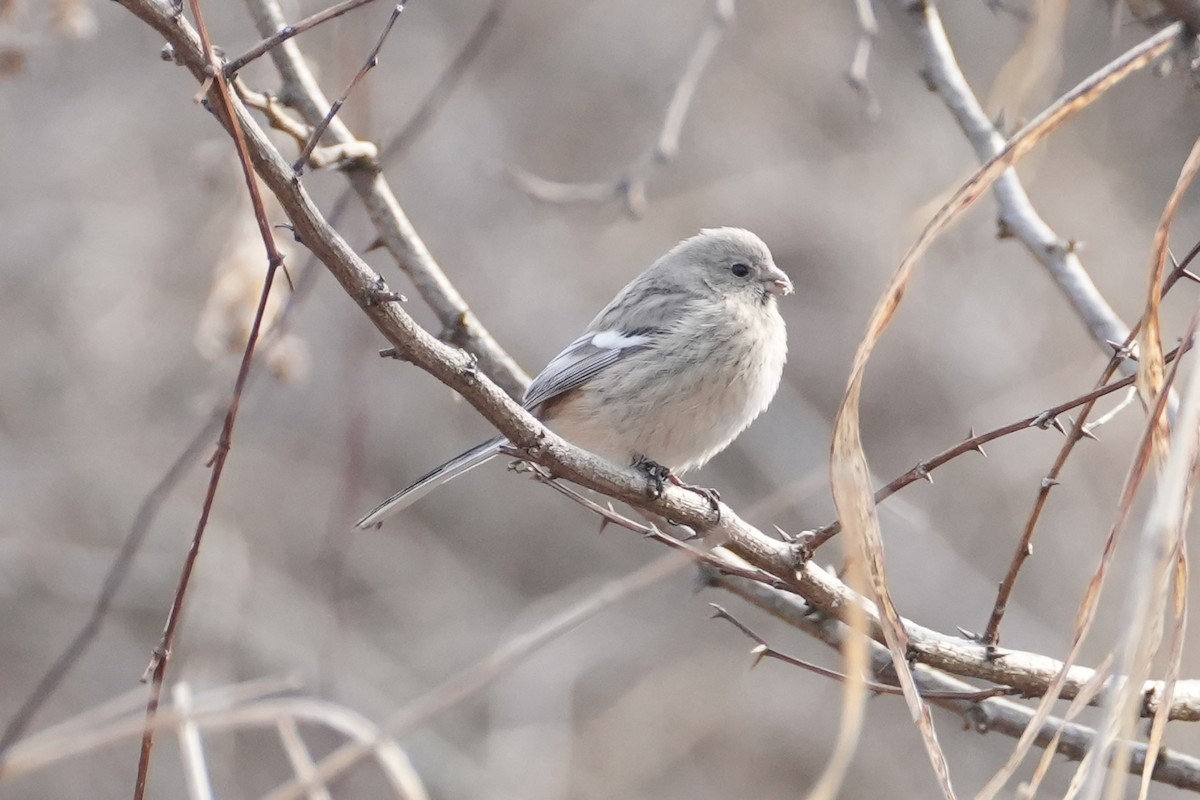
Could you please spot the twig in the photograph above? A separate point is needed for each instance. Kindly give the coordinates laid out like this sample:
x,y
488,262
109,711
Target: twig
x,y
630,188
849,470
447,82
227,708
158,664
460,325
1078,430
711,558
1087,612
764,650
371,61
975,442
288,31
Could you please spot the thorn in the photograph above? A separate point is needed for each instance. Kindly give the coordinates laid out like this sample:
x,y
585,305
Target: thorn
x,y
759,651
1028,549
1122,350
923,472
604,522
1049,483
1042,420
1058,426
391,352
1191,276
787,537
380,294
1086,433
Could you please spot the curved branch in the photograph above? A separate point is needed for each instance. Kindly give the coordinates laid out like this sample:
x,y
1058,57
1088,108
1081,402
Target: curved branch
x,y
1017,215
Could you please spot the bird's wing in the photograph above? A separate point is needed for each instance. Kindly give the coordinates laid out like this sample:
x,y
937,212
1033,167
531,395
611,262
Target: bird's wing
x,y
586,357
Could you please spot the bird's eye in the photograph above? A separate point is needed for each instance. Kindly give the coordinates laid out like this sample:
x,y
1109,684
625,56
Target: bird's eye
x,y
740,270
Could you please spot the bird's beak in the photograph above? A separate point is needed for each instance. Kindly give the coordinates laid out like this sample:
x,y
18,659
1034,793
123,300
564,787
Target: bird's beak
x,y
777,281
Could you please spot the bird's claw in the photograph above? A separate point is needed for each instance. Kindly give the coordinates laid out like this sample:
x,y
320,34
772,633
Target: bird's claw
x,y
709,494
659,475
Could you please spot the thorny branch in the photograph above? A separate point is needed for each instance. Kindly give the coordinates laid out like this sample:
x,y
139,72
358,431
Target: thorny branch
x,y
1042,420
157,669
995,714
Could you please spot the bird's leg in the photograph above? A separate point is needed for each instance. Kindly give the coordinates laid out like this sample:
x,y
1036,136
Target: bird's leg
x,y
658,475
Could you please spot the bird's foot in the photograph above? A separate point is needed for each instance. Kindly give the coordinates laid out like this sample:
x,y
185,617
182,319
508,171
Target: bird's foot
x,y
656,473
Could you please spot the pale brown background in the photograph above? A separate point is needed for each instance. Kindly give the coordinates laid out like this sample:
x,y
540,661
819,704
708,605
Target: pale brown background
x,y
109,226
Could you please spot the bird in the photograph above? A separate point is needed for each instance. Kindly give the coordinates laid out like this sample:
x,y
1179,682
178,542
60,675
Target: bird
x,y
667,375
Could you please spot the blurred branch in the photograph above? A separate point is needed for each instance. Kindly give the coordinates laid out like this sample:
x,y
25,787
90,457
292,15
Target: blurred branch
x,y
301,759
460,325
113,581
227,708
998,715
1017,216
501,661
856,74
630,188
446,83
191,746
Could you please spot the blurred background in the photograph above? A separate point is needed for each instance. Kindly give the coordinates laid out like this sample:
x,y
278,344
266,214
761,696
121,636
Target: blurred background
x,y
121,211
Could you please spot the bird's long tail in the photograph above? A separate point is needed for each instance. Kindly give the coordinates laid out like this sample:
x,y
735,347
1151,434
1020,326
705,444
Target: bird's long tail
x,y
432,480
